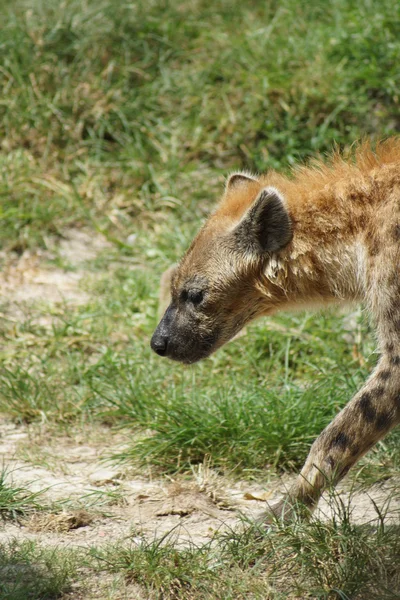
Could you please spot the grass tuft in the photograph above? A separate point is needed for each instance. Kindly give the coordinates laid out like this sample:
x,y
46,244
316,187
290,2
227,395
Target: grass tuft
x,y
16,501
29,571
317,559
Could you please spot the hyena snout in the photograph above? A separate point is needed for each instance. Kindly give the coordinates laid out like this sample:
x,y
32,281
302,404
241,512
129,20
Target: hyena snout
x,y
174,347
180,338
159,343
161,340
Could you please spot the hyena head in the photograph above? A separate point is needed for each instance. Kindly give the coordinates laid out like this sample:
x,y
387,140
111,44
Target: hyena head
x,y
216,289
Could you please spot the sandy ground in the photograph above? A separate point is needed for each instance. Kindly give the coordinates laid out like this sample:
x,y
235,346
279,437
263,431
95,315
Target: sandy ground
x,y
115,503
92,501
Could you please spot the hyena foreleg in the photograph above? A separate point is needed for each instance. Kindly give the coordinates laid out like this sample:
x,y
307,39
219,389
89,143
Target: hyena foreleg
x,y
368,417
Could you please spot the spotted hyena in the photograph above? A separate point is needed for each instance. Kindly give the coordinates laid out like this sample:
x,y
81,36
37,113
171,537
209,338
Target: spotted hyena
x,y
329,233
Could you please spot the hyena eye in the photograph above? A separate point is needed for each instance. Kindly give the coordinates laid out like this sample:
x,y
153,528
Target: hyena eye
x,y
195,296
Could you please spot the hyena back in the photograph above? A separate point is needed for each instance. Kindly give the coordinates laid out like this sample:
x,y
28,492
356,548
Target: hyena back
x,y
330,233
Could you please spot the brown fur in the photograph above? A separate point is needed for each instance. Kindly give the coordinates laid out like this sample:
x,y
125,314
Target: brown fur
x,y
343,245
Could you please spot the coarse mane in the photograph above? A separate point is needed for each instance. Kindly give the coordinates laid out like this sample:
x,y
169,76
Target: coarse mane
x,y
349,167
359,159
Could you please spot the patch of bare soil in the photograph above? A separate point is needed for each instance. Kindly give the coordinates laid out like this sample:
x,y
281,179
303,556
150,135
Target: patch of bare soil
x,y
107,587
92,503
30,280
115,503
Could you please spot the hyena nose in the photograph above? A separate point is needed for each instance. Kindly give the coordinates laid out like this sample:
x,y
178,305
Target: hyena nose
x,y
159,343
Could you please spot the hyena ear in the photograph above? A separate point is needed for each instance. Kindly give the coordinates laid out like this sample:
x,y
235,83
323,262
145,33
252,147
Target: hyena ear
x,y
266,226
237,180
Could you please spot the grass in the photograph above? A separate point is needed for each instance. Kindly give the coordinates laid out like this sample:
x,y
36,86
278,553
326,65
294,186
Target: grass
x,y
16,501
127,113
318,559
261,412
324,560
28,571
121,120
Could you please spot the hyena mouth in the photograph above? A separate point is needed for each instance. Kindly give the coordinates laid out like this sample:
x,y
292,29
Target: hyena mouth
x,y
185,348
195,350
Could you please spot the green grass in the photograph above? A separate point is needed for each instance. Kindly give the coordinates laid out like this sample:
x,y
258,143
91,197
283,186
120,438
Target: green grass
x,y
124,118
30,572
122,112
320,560
329,560
16,501
250,406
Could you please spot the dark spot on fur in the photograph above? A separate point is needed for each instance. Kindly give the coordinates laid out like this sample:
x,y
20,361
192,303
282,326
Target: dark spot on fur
x,y
383,420
374,248
345,471
355,450
378,391
341,440
367,410
396,232
384,375
395,360
390,347
363,219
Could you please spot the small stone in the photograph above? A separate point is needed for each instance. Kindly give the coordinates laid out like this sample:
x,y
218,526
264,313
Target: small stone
x,y
103,476
131,239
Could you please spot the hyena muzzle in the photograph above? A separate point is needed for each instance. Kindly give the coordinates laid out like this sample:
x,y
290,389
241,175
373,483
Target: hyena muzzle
x,y
330,233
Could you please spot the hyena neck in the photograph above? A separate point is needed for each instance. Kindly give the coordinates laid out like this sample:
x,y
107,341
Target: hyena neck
x,y
292,281
321,265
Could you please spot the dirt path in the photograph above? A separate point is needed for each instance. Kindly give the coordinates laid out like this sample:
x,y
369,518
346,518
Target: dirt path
x,y
95,503
91,503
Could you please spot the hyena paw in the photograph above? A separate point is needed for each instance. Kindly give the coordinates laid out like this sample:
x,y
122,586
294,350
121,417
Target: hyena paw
x,y
283,512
